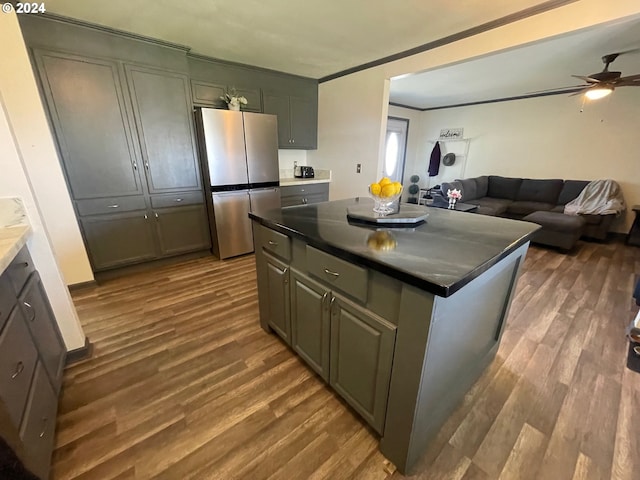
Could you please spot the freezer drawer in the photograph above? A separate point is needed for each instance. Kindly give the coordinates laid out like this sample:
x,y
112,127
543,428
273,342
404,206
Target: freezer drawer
x,y
264,199
232,224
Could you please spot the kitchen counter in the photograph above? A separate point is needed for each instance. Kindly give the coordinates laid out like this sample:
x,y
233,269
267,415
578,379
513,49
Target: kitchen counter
x,y
287,179
439,256
400,322
14,230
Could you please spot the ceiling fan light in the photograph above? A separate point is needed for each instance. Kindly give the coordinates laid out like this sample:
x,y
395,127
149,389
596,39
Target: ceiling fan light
x,y
596,93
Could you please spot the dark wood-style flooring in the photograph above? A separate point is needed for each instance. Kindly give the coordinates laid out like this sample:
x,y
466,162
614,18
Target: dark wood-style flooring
x,y
183,384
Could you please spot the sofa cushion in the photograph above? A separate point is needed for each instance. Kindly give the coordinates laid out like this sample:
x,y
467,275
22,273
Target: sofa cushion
x,y
482,186
503,187
592,219
492,206
545,191
525,208
558,209
570,190
557,222
469,190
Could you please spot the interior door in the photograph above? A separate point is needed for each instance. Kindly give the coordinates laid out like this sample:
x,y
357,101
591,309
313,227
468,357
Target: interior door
x,y
395,149
233,226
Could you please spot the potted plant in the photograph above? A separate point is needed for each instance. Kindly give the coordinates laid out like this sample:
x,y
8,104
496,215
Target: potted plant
x,y
234,100
414,189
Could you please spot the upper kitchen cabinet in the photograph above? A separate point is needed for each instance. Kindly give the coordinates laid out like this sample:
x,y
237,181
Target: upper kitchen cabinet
x,y
163,119
211,95
297,120
87,108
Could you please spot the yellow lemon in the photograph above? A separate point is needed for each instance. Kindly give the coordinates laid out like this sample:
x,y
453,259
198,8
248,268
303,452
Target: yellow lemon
x,y
384,181
375,188
388,190
398,187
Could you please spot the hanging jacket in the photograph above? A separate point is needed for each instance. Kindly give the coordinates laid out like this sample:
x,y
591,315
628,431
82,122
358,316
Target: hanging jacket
x,y
434,162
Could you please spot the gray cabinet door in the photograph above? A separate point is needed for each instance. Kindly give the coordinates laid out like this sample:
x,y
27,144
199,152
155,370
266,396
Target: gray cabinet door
x,y
310,323
279,105
87,108
362,347
182,229
278,307
254,99
304,123
117,240
206,94
163,117
44,329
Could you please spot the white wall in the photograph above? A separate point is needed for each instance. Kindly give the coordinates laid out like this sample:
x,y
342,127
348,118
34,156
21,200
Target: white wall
x,y
14,183
287,157
352,110
548,137
33,136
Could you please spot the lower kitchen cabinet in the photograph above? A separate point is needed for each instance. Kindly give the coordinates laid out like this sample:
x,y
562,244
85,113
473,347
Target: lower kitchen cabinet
x,y
362,346
278,304
304,194
182,229
348,345
310,323
32,355
117,240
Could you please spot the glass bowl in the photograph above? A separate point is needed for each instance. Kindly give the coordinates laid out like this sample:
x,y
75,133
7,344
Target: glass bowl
x,y
382,205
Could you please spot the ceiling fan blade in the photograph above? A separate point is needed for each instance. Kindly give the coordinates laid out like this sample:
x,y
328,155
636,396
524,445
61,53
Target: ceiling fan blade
x,y
558,89
586,79
628,84
630,78
579,92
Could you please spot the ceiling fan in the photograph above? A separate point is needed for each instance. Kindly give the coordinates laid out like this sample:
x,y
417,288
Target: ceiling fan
x,y
601,84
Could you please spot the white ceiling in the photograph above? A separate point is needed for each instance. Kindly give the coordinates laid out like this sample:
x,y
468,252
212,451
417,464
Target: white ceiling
x,y
309,38
539,66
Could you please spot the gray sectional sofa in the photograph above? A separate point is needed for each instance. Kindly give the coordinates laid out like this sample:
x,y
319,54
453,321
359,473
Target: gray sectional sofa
x,y
539,201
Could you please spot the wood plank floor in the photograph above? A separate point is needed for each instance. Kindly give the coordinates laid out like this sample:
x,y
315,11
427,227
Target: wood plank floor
x,y
184,384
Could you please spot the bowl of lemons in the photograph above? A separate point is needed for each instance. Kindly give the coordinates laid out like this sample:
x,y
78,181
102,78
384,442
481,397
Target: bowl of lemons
x,y
384,193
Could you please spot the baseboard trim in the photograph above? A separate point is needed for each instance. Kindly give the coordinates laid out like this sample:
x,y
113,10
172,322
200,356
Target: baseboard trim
x,y
81,353
81,285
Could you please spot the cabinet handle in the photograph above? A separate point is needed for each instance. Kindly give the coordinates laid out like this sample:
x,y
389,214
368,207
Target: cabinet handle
x,y
156,214
135,166
333,302
178,199
19,369
29,306
146,165
285,272
145,216
272,243
293,140
333,274
323,301
44,425
115,205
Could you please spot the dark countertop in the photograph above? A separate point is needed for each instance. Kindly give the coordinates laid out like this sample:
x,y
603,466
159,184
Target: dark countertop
x,y
440,256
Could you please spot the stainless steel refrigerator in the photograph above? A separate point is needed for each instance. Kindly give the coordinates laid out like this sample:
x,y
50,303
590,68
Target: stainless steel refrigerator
x,y
239,151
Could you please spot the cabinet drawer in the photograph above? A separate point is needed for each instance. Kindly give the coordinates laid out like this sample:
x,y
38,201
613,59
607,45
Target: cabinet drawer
x,y
40,320
38,427
20,269
275,242
304,190
18,358
7,299
345,276
176,199
96,206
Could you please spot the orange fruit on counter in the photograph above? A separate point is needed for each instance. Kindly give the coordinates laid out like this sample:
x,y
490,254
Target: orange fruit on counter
x,y
375,188
384,181
398,187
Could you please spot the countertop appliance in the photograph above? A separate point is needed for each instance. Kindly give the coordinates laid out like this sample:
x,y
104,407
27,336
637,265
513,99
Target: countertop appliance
x,y
303,172
239,152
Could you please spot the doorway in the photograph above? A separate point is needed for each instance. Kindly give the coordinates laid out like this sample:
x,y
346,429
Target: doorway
x,y
395,148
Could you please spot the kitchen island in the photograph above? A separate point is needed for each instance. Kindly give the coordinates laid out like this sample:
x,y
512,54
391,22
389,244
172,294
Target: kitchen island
x,y
398,321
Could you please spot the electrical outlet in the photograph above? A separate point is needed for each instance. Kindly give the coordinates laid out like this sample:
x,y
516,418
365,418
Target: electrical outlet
x,y
359,168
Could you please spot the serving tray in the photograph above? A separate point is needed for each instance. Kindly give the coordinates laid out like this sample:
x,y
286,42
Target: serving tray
x,y
408,214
